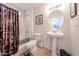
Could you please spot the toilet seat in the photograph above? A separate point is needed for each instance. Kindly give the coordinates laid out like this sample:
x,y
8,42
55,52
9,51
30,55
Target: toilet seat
x,y
31,44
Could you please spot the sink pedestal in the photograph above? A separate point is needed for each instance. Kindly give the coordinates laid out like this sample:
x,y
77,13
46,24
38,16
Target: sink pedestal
x,y
54,47
54,37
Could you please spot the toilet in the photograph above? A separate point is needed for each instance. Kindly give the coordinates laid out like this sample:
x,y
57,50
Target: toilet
x,y
32,44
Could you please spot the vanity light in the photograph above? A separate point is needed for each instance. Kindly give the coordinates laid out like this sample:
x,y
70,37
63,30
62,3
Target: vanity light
x,y
54,5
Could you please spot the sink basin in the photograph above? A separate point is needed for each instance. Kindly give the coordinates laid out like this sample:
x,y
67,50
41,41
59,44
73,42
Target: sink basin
x,y
56,34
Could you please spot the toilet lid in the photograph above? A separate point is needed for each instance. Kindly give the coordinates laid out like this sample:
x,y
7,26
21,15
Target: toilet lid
x,y
30,43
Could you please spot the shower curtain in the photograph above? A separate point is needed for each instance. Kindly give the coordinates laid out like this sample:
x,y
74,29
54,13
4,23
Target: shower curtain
x,y
9,30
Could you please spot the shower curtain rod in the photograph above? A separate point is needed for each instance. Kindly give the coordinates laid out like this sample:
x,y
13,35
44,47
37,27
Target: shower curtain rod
x,y
8,7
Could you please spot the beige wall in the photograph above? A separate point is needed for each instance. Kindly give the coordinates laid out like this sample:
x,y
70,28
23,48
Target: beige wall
x,y
62,43
29,22
44,27
75,33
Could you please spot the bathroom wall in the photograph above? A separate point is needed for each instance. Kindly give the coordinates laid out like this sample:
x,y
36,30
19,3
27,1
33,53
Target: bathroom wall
x,y
43,28
74,22
29,17
65,42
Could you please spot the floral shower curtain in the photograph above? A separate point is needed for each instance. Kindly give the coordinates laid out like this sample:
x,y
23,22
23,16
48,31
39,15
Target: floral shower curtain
x,y
9,30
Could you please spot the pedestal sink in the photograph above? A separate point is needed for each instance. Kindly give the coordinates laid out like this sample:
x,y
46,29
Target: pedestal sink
x,y
54,36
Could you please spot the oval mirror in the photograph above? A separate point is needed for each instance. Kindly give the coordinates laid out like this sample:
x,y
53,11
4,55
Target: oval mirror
x,y
57,20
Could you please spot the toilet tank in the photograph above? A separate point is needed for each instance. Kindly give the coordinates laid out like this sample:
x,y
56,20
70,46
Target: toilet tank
x,y
37,36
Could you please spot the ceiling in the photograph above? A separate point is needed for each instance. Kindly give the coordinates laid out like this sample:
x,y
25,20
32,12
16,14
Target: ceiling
x,y
25,6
